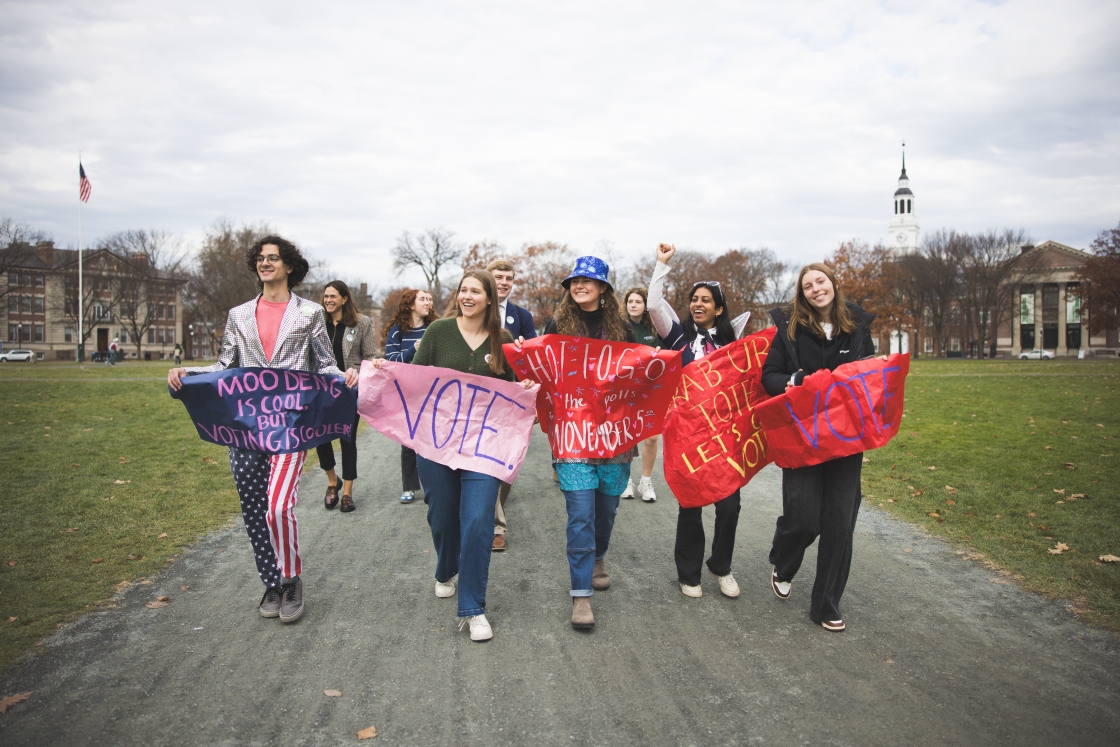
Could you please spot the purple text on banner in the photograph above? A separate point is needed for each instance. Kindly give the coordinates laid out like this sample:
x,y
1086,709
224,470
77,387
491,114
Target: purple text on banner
x,y
460,420
274,410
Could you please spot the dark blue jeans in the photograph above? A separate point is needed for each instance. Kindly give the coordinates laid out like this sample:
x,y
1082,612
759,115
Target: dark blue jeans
x,y
461,515
590,523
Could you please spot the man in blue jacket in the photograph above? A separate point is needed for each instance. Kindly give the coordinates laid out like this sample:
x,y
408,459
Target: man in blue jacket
x,y
519,322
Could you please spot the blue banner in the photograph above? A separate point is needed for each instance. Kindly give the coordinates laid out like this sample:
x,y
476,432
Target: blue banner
x,y
274,410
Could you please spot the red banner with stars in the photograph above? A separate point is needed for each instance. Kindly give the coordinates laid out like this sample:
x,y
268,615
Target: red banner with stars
x,y
597,399
714,442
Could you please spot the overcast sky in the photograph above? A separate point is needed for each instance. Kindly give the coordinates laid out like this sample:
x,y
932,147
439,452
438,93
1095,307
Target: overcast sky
x,y
711,125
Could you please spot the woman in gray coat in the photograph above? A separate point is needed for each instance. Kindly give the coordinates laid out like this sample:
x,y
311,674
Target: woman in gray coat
x,y
353,341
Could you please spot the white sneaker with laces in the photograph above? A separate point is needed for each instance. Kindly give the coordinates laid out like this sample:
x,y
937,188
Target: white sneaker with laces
x,y
629,492
727,585
480,627
646,489
443,591
692,591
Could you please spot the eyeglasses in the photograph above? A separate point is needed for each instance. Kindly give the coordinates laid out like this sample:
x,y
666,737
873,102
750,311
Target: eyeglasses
x,y
710,283
271,259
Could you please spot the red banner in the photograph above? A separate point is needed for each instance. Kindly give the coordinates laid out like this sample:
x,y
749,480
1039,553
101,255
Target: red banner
x,y
714,442
597,399
856,407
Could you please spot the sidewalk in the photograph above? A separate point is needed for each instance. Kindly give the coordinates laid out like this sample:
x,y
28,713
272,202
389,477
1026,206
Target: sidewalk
x,y
935,652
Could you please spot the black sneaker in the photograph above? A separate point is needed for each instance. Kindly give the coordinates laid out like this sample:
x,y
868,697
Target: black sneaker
x,y
270,603
291,600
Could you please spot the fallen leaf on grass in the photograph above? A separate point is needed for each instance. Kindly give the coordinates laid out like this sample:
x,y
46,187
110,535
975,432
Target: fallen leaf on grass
x,y
934,514
71,530
1060,491
1058,549
997,516
931,469
369,733
891,500
76,464
160,602
1075,496
208,460
951,489
1070,466
121,482
12,619
11,700
107,499
1048,448
161,536
1110,559
97,560
915,494
951,502
13,562
332,693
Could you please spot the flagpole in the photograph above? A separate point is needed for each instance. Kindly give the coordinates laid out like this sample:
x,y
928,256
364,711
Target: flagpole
x,y
81,295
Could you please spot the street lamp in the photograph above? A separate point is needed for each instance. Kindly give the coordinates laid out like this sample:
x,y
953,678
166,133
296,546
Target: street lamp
x,y
19,335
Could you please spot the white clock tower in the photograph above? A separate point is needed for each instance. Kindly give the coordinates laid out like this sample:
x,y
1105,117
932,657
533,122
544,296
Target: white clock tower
x,y
902,235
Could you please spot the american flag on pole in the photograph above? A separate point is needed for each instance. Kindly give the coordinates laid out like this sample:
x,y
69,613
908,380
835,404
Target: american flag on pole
x,y
84,187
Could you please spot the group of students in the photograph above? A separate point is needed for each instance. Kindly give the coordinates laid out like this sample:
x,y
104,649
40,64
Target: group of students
x,y
816,330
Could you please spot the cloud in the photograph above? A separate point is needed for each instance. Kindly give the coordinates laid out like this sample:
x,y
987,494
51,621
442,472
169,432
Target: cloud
x,y
711,126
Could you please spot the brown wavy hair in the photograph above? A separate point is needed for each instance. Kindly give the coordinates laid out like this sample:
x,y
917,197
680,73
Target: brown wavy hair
x,y
569,322
646,318
403,315
493,316
349,308
800,312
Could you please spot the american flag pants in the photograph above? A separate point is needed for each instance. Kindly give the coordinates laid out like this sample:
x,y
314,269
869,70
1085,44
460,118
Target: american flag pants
x,y
268,486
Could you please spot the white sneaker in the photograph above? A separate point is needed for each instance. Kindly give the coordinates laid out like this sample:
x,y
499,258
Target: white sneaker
x,y
480,627
646,488
727,585
443,591
692,591
629,492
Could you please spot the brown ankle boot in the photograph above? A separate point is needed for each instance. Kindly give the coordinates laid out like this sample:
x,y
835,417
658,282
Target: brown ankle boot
x,y
582,617
599,578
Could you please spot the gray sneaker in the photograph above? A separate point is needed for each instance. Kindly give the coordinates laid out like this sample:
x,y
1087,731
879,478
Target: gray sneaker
x,y
291,600
270,603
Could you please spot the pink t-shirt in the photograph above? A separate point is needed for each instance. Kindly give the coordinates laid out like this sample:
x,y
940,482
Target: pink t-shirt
x,y
269,315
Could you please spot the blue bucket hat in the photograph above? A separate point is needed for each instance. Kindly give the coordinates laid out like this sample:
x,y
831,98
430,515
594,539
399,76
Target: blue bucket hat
x,y
589,267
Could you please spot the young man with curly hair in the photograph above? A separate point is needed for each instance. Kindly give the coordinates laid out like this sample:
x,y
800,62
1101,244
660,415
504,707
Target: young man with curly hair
x,y
275,330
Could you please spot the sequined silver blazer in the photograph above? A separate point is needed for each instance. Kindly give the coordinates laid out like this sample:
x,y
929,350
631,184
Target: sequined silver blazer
x,y
301,342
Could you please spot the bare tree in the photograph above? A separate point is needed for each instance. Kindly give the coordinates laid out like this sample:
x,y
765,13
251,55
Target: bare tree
x,y
910,276
941,282
987,262
432,252
144,288
17,246
540,268
1100,282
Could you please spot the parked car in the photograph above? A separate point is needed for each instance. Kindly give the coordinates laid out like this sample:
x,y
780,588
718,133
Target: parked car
x,y
1036,355
18,356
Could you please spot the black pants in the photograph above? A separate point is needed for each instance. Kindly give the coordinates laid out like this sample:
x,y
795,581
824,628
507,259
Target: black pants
x,y
349,454
822,500
689,548
410,479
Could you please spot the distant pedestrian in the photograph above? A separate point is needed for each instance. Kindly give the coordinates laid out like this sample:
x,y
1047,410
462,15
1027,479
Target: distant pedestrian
x,y
519,323
114,346
817,330
644,334
277,329
177,352
414,314
461,502
353,340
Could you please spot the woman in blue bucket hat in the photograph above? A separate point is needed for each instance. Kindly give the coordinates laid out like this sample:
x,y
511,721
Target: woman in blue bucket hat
x,y
591,487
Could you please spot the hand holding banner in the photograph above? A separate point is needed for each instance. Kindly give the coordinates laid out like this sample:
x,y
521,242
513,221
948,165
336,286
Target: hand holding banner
x,y
461,420
714,443
854,408
274,410
597,399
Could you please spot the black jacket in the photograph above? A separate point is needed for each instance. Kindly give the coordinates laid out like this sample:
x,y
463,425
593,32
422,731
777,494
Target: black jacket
x,y
786,356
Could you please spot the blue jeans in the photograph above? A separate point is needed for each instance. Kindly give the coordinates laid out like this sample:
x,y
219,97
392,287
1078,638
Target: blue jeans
x,y
590,523
461,515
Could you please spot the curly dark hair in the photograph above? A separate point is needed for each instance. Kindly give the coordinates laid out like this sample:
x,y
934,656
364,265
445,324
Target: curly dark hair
x,y
403,315
568,321
289,255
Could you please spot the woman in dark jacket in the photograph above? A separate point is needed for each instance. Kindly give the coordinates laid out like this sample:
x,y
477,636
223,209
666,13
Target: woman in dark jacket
x,y
707,328
817,329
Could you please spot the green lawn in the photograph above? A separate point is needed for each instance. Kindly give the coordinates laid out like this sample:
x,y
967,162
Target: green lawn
x,y
104,480
1011,460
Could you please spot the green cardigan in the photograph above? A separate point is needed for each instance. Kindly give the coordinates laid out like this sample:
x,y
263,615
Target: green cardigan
x,y
443,345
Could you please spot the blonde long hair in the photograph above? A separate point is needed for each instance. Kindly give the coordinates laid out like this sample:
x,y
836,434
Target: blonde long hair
x,y
493,316
801,313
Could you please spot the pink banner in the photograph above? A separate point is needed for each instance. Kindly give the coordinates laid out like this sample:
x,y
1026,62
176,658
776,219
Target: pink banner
x,y
457,419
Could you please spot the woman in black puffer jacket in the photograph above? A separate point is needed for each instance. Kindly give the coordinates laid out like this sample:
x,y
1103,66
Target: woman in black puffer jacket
x,y
817,329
